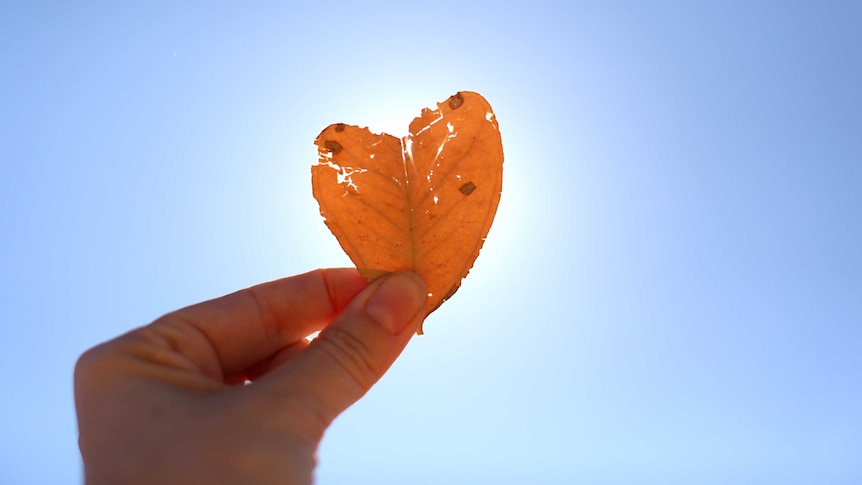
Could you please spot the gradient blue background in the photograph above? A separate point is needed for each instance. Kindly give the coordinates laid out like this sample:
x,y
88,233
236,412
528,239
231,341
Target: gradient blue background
x,y
671,292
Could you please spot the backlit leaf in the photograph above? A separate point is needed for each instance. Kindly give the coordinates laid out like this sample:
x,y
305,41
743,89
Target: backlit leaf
x,y
423,203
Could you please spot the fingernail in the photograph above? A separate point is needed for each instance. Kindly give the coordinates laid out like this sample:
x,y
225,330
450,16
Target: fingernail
x,y
396,301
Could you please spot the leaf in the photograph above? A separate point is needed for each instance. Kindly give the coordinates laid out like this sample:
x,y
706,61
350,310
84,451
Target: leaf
x,y
424,203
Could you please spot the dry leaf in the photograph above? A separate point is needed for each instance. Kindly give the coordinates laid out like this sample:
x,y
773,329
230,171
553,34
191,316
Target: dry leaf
x,y
424,203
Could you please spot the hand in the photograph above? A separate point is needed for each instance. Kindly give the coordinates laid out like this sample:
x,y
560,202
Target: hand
x,y
165,403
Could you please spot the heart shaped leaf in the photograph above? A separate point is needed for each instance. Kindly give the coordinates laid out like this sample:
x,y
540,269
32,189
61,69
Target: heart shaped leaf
x,y
424,203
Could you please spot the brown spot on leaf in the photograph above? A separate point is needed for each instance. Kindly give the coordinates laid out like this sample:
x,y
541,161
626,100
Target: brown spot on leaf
x,y
333,146
468,188
456,100
339,127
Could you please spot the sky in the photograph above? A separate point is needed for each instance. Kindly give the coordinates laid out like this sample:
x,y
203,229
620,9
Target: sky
x,y
671,291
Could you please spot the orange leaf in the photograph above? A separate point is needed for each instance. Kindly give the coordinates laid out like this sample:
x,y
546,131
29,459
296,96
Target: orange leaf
x,y
424,203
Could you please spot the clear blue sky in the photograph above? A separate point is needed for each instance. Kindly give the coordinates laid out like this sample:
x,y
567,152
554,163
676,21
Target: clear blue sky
x,y
671,292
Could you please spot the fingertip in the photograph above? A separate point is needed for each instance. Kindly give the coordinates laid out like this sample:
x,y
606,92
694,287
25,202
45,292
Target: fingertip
x,y
397,301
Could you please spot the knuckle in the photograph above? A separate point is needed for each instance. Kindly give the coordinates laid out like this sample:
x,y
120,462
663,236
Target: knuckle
x,y
266,316
354,356
84,364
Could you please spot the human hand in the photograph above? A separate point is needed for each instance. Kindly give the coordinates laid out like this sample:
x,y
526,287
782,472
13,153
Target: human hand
x,y
165,403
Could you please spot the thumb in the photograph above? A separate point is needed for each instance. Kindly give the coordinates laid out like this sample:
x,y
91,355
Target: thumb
x,y
357,348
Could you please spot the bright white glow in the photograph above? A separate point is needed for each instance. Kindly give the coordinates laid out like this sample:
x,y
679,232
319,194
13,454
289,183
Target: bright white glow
x,y
312,336
345,174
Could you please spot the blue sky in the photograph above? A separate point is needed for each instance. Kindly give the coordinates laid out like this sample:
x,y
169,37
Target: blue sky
x,y
671,291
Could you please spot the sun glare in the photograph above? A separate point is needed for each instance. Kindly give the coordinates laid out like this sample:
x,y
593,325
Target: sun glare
x,y
312,336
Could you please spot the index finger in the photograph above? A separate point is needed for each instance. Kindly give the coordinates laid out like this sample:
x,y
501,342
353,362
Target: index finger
x,y
250,325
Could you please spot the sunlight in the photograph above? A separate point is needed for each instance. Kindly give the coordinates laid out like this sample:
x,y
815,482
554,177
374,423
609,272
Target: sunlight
x,y
312,336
